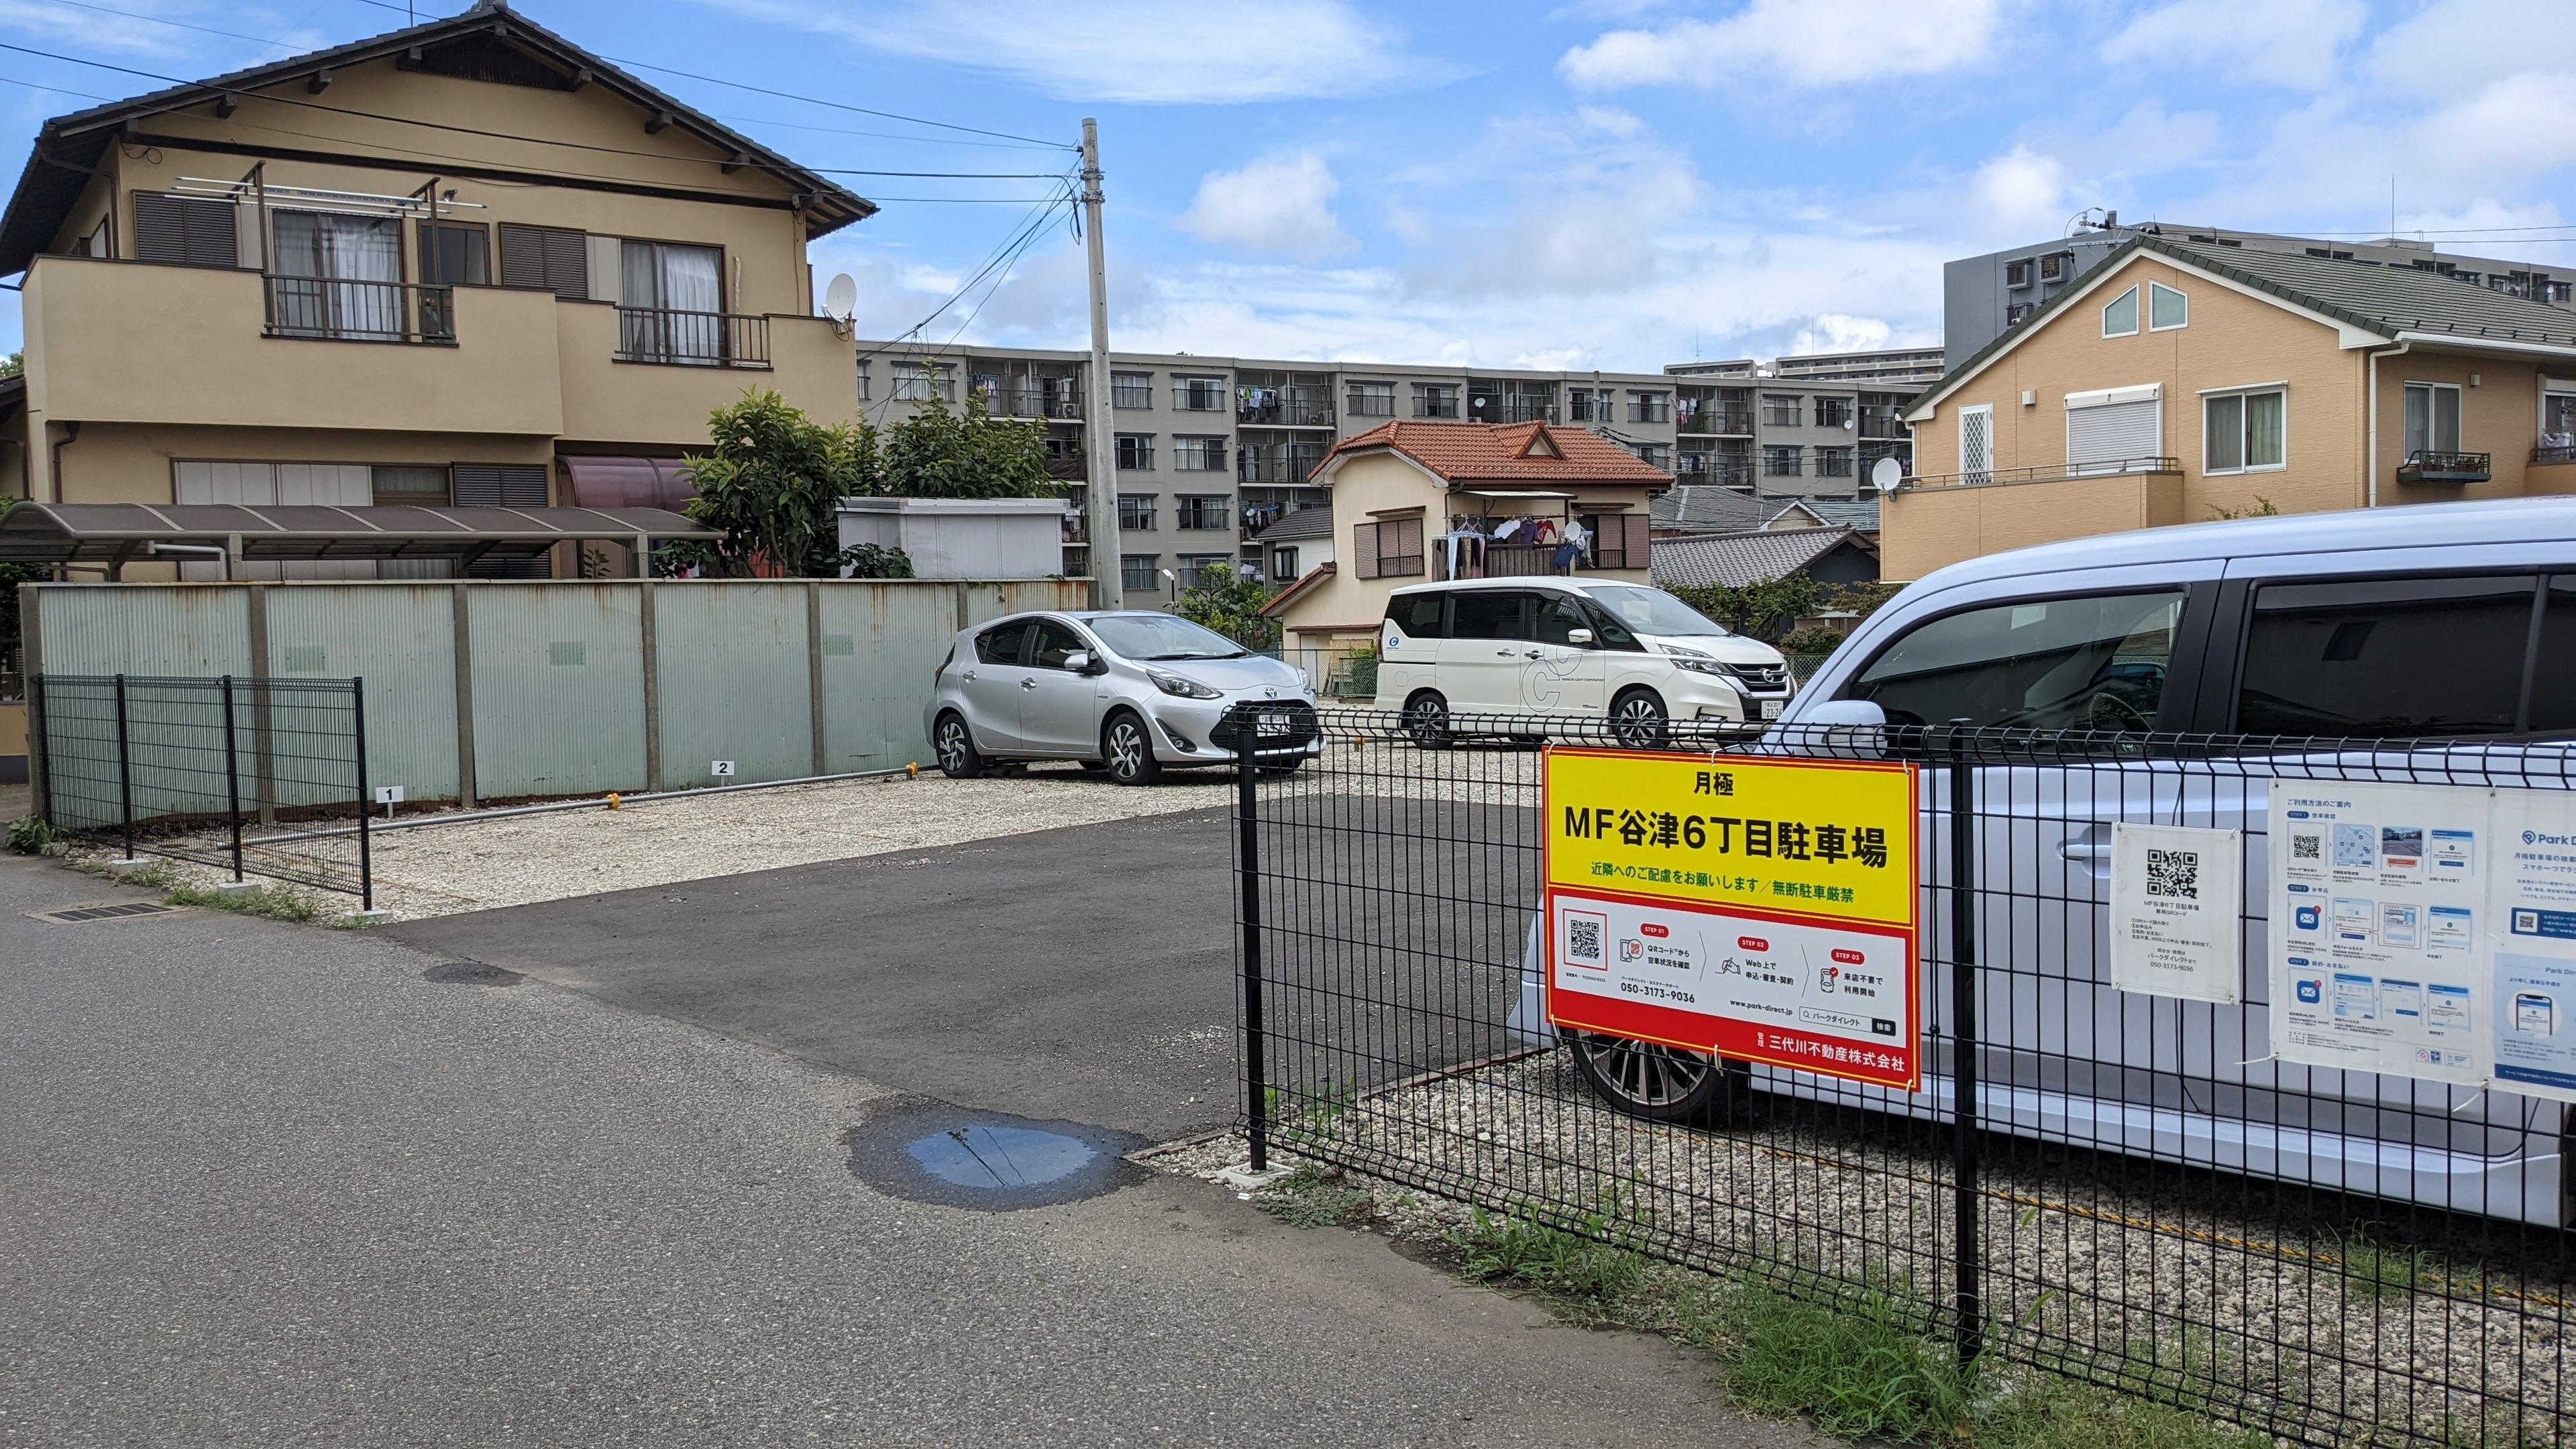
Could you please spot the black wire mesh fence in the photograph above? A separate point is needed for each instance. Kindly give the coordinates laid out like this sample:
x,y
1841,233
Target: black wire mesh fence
x,y
1995,1141
262,777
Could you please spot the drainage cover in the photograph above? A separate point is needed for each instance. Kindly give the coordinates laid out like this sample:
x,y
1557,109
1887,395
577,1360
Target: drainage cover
x,y
471,973
936,1153
74,915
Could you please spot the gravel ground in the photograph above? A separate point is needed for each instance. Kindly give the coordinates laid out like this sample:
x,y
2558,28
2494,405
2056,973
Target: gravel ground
x,y
2315,1337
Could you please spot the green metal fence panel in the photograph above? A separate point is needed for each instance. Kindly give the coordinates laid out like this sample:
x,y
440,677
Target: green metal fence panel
x,y
558,683
879,648
734,685
168,632
401,639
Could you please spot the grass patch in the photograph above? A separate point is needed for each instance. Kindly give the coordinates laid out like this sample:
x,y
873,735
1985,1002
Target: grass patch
x,y
1318,1197
1860,1370
2043,1411
30,835
1578,1269
275,902
2375,1272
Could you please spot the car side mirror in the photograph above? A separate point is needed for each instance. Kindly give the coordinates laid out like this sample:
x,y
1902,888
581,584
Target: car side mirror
x,y
1079,661
1579,638
1850,728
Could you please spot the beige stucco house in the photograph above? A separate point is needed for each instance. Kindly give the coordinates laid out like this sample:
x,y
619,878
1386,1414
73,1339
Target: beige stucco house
x,y
464,262
1418,502
2181,382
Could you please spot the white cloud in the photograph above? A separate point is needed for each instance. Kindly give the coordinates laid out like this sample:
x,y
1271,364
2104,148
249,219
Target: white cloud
x,y
2290,43
2428,52
1280,206
1609,121
2021,190
1137,51
1799,42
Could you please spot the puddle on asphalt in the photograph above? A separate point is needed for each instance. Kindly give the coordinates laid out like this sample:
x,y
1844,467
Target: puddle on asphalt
x,y
955,1156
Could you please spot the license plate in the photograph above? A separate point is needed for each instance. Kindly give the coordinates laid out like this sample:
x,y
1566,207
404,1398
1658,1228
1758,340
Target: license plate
x,y
1271,724
1770,709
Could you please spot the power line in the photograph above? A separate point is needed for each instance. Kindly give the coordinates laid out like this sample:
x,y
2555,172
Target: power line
x,y
163,20
57,90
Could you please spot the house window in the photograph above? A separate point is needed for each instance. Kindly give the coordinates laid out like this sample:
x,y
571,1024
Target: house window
x,y
1136,510
1587,405
2167,309
341,276
1196,568
670,303
1136,572
1833,462
1659,455
1199,394
1198,455
417,487
2120,317
455,253
863,380
2432,418
2017,313
1131,390
1779,461
1435,400
2017,274
1206,510
546,259
1650,407
1833,412
2110,429
185,231
1135,450
1977,442
1372,399
1283,561
920,381
1387,548
1781,410
2243,431
2052,268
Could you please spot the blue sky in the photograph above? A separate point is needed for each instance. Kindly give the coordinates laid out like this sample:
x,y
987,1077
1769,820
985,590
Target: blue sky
x,y
1617,184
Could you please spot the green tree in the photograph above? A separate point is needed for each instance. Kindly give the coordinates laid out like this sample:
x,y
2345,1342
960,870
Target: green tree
x,y
771,484
1225,601
937,453
16,364
1770,608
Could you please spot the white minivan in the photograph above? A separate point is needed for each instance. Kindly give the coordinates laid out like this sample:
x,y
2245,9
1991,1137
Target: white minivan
x,y
1594,648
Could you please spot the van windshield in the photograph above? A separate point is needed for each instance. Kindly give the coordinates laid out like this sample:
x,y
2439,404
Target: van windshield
x,y
1157,637
1652,611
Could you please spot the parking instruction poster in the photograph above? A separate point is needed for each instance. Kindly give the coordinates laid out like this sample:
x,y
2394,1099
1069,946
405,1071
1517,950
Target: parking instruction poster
x,y
2427,931
1761,909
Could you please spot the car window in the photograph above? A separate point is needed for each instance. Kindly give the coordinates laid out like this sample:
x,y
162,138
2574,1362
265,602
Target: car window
x,y
1001,643
2083,664
1054,641
1418,615
1486,614
1558,614
2386,658
2553,688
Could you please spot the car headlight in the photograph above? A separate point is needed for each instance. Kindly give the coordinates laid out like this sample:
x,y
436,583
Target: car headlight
x,y
1305,681
1185,688
1702,664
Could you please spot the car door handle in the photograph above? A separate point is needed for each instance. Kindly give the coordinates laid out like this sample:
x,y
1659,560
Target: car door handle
x,y
2092,842
1028,684
968,676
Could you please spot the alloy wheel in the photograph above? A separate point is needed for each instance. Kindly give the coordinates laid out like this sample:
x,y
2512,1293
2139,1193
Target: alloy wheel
x,y
1646,1074
1638,721
1126,751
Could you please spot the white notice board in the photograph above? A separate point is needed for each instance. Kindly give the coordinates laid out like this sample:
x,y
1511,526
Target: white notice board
x,y
2177,899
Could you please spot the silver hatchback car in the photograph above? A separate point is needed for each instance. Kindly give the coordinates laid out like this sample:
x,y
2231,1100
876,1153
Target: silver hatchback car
x,y
1132,693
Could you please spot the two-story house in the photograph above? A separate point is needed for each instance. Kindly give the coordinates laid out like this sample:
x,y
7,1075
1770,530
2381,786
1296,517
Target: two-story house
x,y
466,262
2179,382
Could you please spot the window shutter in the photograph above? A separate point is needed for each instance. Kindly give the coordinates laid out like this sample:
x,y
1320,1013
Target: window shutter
x,y
2114,432
1401,554
568,264
1364,550
185,231
523,257
1634,539
547,259
504,485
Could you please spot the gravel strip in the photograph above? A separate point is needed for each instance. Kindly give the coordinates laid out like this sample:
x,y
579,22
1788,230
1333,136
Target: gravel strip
x,y
2303,1335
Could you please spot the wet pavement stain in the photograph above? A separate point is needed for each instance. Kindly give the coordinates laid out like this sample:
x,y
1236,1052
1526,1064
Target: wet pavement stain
x,y
925,1151
471,973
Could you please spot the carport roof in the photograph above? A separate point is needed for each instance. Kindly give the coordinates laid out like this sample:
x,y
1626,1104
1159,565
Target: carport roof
x,y
120,532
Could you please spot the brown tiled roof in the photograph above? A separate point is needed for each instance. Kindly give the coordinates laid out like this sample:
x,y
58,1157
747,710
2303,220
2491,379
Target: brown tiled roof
x,y
1509,453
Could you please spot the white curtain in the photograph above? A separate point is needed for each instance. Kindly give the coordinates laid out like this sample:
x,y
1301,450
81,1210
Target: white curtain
x,y
674,295
339,276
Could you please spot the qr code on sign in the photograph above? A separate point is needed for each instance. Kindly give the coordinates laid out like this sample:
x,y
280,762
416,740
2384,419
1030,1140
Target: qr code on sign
x,y
1586,940
2307,845
2174,873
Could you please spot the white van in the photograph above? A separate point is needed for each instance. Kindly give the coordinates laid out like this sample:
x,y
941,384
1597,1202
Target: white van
x,y
2446,630
1595,648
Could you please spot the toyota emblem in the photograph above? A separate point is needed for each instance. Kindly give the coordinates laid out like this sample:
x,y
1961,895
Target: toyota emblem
x,y
1269,692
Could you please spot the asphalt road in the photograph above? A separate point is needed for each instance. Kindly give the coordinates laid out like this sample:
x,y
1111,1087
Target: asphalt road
x,y
265,1184
1086,973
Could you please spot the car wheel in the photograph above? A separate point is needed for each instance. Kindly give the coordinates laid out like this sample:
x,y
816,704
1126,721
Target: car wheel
x,y
1129,750
1426,720
955,745
1094,767
1638,720
1661,1083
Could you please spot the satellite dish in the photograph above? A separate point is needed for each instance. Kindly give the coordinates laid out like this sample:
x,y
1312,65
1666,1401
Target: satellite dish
x,y
841,298
1886,474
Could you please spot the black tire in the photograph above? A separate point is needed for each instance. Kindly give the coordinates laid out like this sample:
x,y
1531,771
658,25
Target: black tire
x,y
1661,1083
1639,720
1426,720
1127,748
955,746
1094,767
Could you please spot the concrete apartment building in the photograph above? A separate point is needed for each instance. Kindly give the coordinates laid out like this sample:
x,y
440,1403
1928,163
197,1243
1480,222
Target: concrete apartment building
x,y
1981,296
2177,382
486,268
1213,450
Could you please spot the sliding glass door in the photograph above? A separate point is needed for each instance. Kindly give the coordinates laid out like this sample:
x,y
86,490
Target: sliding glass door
x,y
339,276
671,303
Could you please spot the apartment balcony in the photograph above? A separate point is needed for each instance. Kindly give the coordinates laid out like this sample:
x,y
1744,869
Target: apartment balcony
x,y
1720,422
1706,468
323,310
2048,473
1201,398
692,339
2429,466
1935,521
1274,466
1285,407
1884,424
1051,404
1068,470
1490,408
1589,410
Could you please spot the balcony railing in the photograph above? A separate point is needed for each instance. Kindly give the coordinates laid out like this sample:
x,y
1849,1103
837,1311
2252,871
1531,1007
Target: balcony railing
x,y
1584,409
2047,473
2549,454
2425,465
1265,465
1736,421
1285,407
1489,408
1699,468
1068,470
330,310
1654,410
691,339
1883,423
1061,404
1208,397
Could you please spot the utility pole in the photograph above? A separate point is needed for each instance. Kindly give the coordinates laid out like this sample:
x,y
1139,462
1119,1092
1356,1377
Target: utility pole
x,y
1099,443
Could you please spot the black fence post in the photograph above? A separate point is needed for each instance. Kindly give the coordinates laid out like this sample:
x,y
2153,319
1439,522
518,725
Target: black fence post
x,y
124,769
232,779
1963,1039
40,746
366,797
1248,874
